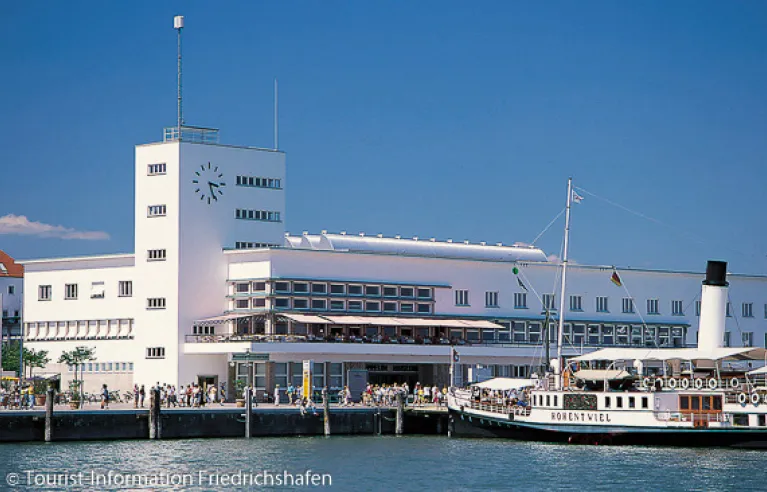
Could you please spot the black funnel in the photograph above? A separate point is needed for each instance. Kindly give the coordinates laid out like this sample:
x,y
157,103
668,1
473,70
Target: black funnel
x,y
716,273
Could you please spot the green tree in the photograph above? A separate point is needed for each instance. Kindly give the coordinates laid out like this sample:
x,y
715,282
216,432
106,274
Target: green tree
x,y
77,359
35,358
11,357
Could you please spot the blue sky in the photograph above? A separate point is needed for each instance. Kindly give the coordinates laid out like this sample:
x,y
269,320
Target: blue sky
x,y
435,119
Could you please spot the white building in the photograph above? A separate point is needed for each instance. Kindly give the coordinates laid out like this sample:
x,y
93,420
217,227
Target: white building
x,y
11,288
214,280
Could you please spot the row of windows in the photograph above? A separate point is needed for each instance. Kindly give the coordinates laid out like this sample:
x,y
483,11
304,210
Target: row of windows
x,y
156,211
15,313
124,289
104,367
155,169
248,245
155,303
156,254
593,334
264,215
257,182
602,304
292,373
319,304
155,352
323,288
80,329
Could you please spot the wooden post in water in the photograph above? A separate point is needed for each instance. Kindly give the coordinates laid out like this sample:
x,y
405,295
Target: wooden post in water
x,y
248,411
326,410
155,428
49,414
400,415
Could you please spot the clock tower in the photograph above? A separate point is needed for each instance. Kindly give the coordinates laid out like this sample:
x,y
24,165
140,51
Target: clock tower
x,y
212,197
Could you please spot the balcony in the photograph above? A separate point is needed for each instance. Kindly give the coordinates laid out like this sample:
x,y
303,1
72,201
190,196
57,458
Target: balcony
x,y
195,134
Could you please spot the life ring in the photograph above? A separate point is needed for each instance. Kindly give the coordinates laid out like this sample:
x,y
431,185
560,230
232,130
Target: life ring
x,y
712,383
734,383
645,383
684,383
755,399
672,383
698,383
742,399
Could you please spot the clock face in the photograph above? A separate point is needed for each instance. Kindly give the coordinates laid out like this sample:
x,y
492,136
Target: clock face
x,y
209,183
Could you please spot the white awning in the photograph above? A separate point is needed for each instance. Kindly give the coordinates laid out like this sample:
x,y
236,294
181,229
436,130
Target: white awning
x,y
477,323
222,318
304,318
505,384
601,374
756,372
737,353
348,320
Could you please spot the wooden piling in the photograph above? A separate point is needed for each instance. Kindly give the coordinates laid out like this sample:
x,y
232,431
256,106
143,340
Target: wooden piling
x,y
155,427
248,412
326,410
400,415
49,414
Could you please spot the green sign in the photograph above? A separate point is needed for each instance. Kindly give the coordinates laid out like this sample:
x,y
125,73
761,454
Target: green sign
x,y
249,357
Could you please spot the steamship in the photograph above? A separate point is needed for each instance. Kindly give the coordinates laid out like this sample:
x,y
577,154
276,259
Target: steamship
x,y
698,396
709,395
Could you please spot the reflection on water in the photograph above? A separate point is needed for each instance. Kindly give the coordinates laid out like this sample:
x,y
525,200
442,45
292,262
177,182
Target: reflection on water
x,y
397,463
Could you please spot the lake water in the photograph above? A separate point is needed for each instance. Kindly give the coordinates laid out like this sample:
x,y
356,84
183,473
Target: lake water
x,y
377,463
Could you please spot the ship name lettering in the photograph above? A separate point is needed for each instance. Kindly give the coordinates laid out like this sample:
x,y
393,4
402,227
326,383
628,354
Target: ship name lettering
x,y
580,417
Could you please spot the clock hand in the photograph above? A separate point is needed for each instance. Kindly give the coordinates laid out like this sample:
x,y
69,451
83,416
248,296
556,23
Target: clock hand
x,y
210,183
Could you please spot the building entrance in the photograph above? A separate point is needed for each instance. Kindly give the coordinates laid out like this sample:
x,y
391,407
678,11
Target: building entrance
x,y
390,374
204,382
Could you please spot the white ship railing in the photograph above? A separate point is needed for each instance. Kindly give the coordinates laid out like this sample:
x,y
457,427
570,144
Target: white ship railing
x,y
691,417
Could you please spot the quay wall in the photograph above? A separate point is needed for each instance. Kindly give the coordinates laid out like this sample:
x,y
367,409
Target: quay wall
x,y
85,425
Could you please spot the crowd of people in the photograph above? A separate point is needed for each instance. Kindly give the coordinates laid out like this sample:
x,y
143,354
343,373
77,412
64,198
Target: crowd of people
x,y
15,396
192,395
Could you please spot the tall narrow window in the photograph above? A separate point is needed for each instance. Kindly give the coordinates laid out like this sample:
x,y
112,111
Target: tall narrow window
x,y
44,292
491,299
576,303
549,301
652,306
70,291
602,305
677,308
520,300
461,297
628,305
748,312
125,288
697,308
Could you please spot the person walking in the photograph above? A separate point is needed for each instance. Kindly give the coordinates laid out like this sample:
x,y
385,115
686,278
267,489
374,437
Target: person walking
x,y
277,395
142,395
135,396
104,397
222,395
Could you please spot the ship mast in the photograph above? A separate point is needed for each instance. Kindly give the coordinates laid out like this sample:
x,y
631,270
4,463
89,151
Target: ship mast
x,y
560,329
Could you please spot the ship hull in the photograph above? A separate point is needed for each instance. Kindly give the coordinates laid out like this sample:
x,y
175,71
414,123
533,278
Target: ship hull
x,y
466,425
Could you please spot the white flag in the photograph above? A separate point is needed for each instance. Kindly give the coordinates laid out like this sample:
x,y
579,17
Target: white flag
x,y
576,197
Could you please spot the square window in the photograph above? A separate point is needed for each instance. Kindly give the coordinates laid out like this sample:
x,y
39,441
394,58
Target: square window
x,y
389,291
372,290
355,290
407,292
337,289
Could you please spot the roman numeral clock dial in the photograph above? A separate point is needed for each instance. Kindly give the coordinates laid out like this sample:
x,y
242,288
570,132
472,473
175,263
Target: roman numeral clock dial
x,y
209,183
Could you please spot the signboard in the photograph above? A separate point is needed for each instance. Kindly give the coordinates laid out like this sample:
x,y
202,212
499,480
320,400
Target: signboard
x,y
357,380
249,357
307,379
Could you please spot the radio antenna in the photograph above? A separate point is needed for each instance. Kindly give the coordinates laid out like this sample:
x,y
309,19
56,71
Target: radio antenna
x,y
178,25
276,115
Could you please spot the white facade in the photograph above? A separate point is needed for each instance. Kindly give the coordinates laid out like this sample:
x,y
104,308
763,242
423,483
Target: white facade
x,y
198,257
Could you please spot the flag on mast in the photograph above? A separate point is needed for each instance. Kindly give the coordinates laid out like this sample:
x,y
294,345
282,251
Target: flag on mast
x,y
519,281
615,278
576,197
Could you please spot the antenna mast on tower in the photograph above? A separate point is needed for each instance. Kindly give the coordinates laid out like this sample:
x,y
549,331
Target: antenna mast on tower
x,y
178,25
